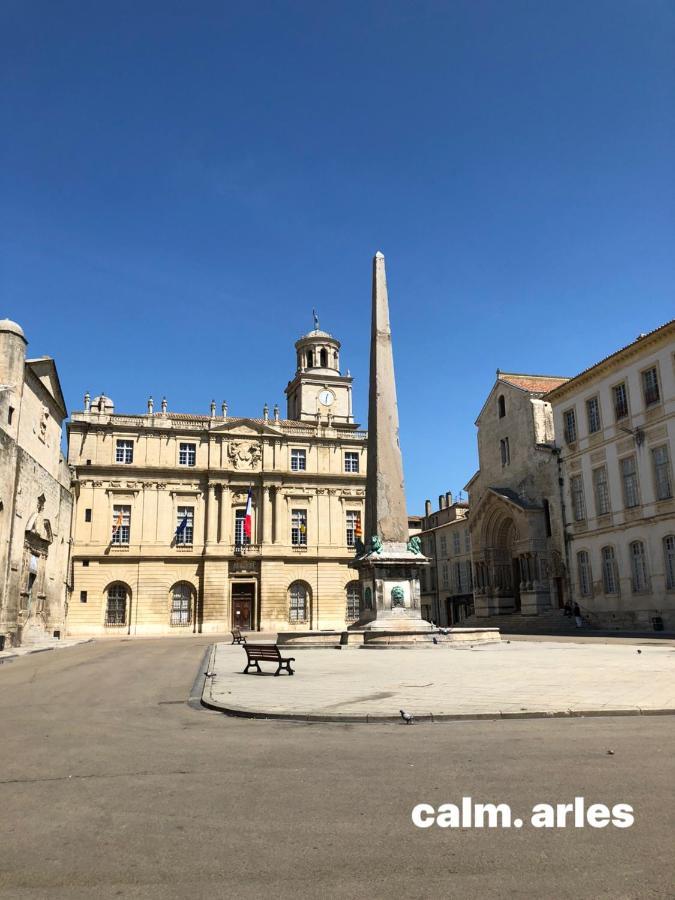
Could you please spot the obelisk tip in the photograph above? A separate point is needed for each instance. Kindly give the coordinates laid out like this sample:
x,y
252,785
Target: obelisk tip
x,y
379,255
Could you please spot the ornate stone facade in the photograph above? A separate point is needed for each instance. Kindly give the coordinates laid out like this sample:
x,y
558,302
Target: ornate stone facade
x,y
35,497
159,534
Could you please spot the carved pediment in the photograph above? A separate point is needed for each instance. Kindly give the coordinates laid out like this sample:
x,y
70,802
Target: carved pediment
x,y
246,427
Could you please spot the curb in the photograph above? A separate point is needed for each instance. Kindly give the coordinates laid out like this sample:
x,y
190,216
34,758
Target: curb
x,y
240,712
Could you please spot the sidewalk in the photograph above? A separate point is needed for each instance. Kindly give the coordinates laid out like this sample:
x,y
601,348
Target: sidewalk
x,y
14,652
520,679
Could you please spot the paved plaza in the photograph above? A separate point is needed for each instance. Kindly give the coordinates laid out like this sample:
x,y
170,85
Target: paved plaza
x,y
516,678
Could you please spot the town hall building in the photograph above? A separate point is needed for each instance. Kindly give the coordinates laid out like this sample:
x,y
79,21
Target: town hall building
x,y
161,541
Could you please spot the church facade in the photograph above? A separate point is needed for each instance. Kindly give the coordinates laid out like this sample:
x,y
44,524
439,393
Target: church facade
x,y
201,523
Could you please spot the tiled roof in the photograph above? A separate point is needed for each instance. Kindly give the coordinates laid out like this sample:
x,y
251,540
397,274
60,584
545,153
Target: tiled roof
x,y
654,331
533,384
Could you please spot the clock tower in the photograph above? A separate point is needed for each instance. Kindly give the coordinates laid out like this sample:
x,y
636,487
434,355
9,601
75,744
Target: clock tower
x,y
318,391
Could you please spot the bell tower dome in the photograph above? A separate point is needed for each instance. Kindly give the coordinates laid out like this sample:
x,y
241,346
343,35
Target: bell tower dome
x,y
319,391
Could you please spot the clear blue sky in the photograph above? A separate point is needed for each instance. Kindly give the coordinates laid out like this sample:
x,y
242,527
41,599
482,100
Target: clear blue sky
x,y
181,183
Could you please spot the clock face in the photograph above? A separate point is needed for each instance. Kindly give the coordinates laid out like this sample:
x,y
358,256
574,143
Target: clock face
x,y
326,397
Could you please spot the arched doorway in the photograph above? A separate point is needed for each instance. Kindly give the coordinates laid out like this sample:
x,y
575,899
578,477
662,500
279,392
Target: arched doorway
x,y
507,535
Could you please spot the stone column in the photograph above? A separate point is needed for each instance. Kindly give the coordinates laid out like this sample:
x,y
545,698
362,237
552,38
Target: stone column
x,y
279,513
266,509
211,514
225,535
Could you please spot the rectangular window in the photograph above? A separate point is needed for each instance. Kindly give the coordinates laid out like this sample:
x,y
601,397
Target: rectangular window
x,y
609,580
444,545
584,570
87,515
351,461
650,386
578,501
299,527
185,516
298,460
121,530
601,489
669,560
638,567
620,401
570,426
663,482
631,493
593,414
455,542
444,572
124,452
83,596
353,526
504,451
547,516
240,538
187,455
467,541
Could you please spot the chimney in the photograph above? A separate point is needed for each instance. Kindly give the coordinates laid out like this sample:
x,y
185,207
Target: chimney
x,y
427,507
441,501
448,498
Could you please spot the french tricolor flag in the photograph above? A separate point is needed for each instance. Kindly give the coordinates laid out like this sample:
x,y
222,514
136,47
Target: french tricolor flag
x,y
247,514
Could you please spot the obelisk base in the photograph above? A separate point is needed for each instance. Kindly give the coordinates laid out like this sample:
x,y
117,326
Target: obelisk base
x,y
390,589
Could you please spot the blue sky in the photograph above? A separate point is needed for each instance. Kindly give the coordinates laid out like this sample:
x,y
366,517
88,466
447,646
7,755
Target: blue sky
x,y
181,183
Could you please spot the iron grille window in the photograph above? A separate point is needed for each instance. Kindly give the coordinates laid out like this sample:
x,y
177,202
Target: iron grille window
x,y
467,541
121,528
570,423
124,452
593,414
299,527
298,602
620,401
116,605
351,462
578,501
584,569
662,478
185,535
650,386
181,604
353,601
609,580
455,542
298,460
631,494
601,486
444,545
638,566
240,538
444,574
353,526
669,560
187,455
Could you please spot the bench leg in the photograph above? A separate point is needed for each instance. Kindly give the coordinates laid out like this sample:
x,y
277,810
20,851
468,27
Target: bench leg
x,y
252,663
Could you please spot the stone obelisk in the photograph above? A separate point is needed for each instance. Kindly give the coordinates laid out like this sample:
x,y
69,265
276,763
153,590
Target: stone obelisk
x,y
388,563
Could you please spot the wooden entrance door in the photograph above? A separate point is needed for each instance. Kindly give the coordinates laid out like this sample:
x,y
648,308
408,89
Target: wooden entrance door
x,y
243,596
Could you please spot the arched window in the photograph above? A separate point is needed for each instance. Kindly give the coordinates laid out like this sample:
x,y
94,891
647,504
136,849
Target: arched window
x,y
609,579
638,566
353,601
669,560
116,604
182,595
323,357
501,406
298,594
308,360
584,570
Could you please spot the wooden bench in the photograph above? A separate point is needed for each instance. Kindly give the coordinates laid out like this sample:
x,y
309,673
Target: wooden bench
x,y
257,653
237,636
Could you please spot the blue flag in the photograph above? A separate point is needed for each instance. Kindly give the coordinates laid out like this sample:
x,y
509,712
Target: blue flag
x,y
182,525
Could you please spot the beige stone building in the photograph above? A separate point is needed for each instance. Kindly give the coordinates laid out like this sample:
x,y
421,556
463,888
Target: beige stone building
x,y
447,583
35,497
615,426
160,543
515,520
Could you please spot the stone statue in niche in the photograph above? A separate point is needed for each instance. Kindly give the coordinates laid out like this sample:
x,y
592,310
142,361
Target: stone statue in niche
x,y
397,596
244,455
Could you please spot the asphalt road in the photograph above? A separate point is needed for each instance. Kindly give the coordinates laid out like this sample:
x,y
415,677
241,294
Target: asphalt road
x,y
112,786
